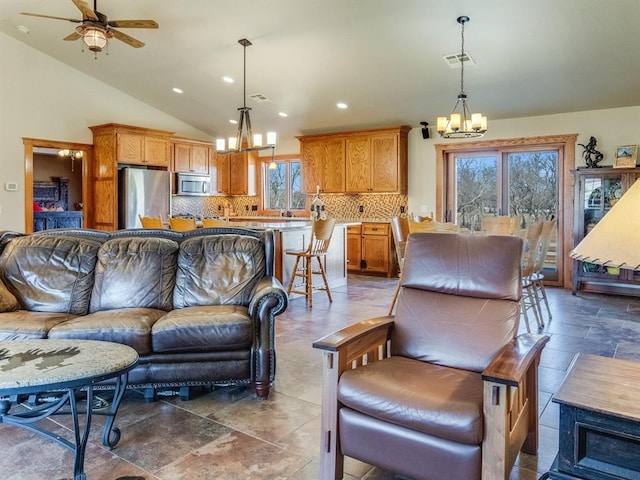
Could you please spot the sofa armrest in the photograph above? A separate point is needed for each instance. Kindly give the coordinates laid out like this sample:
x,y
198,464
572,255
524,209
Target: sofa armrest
x,y
268,299
268,287
512,363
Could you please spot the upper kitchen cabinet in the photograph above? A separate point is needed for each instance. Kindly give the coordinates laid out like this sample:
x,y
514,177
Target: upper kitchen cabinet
x,y
190,156
363,161
115,144
236,173
132,145
322,165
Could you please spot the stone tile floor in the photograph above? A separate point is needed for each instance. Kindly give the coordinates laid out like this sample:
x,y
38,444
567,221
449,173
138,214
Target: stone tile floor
x,y
228,434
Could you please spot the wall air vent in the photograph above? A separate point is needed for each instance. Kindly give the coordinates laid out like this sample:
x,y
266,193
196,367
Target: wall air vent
x,y
454,60
259,98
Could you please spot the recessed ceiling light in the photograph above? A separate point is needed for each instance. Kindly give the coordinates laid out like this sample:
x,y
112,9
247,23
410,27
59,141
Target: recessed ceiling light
x,y
177,90
227,80
342,105
235,122
24,29
283,114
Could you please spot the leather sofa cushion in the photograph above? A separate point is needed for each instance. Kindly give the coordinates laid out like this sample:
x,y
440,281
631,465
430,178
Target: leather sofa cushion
x,y
8,301
439,401
24,325
135,272
218,270
130,326
50,274
449,330
201,329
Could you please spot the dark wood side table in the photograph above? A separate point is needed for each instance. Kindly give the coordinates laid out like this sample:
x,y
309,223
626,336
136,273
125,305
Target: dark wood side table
x,y
65,368
599,420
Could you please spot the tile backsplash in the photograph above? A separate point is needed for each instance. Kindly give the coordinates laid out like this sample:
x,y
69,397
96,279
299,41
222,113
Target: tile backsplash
x,y
364,205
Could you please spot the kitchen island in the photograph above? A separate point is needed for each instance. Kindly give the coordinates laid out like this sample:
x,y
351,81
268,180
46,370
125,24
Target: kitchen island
x,y
295,234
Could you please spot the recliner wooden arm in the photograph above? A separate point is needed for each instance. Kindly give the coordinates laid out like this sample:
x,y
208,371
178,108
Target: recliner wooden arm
x,y
510,404
514,360
361,343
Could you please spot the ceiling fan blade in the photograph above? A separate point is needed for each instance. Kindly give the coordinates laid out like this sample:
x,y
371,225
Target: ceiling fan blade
x,y
85,9
132,23
72,36
127,39
51,16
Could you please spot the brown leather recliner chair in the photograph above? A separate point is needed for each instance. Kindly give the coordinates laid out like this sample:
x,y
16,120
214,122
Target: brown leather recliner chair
x,y
445,389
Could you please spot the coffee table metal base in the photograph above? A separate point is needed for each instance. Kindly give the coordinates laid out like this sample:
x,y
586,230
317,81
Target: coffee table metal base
x,y
68,404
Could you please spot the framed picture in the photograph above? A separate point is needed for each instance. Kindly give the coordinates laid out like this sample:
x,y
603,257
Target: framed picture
x,y
626,156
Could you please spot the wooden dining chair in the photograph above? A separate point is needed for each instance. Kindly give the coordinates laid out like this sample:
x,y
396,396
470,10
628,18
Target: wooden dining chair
x,y
400,231
529,300
537,276
500,225
151,222
214,222
433,227
318,246
182,224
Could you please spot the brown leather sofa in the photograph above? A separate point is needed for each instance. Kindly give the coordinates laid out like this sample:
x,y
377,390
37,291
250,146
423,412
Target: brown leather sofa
x,y
199,307
446,389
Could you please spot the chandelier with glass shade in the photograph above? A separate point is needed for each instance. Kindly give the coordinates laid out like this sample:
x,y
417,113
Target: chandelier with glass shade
x,y
245,140
461,123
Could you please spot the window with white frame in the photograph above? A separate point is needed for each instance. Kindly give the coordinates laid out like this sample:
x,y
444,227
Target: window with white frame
x,y
282,185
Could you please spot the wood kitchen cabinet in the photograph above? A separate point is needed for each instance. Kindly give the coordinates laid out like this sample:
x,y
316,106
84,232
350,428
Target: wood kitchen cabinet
x,y
322,164
354,248
115,144
596,190
374,164
236,173
363,161
141,149
189,156
369,249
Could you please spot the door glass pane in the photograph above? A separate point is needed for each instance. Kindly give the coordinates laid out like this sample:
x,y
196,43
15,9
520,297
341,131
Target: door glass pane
x,y
533,185
476,189
533,194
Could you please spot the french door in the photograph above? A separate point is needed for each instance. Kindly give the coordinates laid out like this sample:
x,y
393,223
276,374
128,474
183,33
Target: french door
x,y
524,181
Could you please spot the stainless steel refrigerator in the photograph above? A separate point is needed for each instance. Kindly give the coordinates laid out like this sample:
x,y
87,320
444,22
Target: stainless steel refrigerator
x,y
142,192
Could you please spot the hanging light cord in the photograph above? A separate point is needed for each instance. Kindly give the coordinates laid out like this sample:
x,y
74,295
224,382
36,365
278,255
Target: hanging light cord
x,y
462,22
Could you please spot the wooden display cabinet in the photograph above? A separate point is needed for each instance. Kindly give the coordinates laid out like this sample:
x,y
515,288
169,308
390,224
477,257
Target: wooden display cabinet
x,y
596,190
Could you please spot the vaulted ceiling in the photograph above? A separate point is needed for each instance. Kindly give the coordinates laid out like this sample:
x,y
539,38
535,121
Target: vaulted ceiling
x,y
384,58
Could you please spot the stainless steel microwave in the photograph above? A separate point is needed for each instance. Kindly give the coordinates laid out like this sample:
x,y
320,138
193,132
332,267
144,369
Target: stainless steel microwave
x,y
193,184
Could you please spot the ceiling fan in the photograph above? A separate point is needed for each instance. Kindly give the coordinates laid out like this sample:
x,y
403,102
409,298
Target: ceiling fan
x,y
96,30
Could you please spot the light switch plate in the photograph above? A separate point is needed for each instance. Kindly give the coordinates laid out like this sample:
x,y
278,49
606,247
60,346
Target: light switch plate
x,y
11,186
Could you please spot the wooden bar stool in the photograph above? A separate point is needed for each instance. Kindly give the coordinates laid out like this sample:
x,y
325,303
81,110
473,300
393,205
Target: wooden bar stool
x,y
318,247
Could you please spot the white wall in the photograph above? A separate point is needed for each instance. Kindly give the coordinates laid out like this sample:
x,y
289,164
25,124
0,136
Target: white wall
x,y
43,98
612,127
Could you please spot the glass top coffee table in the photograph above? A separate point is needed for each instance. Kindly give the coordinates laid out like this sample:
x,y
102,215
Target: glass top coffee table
x,y
66,368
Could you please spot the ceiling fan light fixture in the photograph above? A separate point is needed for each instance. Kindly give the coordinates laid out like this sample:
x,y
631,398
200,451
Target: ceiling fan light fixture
x,y
94,38
461,123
